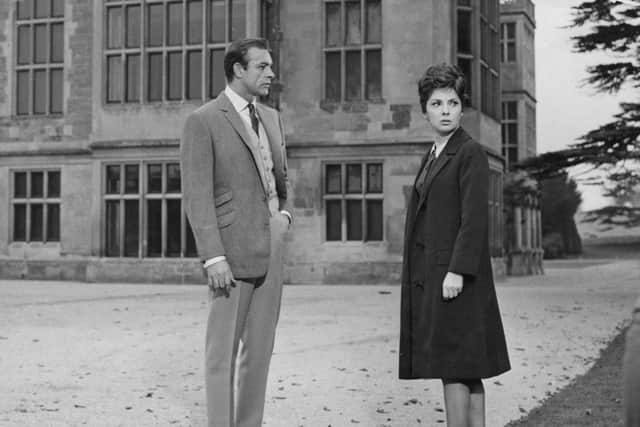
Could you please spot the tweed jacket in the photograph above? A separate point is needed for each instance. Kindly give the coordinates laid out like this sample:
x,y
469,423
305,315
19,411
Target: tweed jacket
x,y
223,193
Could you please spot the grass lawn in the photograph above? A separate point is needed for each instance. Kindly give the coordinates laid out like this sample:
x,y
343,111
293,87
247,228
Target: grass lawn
x,y
592,400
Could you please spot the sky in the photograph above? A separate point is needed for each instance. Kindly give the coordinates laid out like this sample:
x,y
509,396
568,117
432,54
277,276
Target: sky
x,y
566,107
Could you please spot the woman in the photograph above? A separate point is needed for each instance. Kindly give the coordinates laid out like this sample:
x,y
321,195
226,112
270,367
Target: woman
x,y
450,321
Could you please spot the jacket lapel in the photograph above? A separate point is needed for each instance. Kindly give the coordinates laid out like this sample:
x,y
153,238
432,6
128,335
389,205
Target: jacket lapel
x,y
238,125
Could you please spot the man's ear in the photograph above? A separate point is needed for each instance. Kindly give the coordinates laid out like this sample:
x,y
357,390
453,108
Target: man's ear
x,y
238,70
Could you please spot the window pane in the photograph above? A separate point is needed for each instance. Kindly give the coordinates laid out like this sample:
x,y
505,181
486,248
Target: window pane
x,y
113,179
19,222
174,24
154,25
37,223
40,92
155,77
37,184
24,44
57,8
333,24
354,219
334,81
114,78
174,228
131,227
512,155
374,21
112,229
133,26
511,51
216,72
53,184
464,31
40,43
154,228
238,18
465,67
191,242
57,42
354,179
511,30
512,110
115,28
334,179
512,129
25,8
22,93
53,222
55,86
353,91
354,33
154,178
133,78
174,75
217,19
131,179
374,74
194,21
173,178
194,74
20,185
334,220
374,220
41,9
374,178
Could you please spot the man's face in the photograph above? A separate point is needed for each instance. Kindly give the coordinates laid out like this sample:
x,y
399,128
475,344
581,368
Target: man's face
x,y
256,79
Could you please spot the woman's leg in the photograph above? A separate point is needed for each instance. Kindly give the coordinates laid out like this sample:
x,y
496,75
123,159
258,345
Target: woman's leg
x,y
464,403
476,404
456,402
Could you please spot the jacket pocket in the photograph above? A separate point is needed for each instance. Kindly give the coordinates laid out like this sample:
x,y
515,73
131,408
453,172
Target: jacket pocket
x,y
225,211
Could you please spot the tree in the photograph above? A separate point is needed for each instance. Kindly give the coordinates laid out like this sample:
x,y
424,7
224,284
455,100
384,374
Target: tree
x,y
614,148
559,202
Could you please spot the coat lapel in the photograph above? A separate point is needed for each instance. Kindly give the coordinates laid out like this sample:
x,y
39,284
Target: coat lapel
x,y
458,138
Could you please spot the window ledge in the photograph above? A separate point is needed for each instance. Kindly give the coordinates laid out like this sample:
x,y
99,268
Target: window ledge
x,y
349,106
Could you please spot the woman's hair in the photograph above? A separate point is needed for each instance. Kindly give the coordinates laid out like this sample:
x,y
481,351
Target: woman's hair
x,y
438,77
237,52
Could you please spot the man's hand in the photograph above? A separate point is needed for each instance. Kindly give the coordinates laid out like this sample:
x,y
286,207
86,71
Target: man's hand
x,y
451,286
220,279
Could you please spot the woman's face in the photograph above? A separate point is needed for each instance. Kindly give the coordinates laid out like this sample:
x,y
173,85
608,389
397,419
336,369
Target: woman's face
x,y
444,110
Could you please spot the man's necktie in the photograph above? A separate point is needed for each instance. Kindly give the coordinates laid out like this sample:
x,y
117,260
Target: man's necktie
x,y
425,170
254,119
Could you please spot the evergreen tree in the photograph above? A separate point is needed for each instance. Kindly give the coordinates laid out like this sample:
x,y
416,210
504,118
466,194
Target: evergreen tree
x,y
614,148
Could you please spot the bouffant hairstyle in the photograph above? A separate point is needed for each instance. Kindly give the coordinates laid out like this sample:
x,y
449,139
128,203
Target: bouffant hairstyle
x,y
237,52
438,77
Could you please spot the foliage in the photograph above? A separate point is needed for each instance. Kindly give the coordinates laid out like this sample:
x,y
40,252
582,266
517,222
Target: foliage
x,y
559,203
614,148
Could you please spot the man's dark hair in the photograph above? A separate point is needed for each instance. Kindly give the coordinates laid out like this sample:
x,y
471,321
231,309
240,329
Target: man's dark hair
x,y
438,77
237,52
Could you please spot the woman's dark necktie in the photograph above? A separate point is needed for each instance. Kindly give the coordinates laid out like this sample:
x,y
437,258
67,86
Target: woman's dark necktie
x,y
422,178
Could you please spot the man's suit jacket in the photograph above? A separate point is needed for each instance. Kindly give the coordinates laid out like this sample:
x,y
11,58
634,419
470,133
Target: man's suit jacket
x,y
223,194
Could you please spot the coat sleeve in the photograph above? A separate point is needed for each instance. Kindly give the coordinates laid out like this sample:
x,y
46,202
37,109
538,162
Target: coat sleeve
x,y
197,165
473,181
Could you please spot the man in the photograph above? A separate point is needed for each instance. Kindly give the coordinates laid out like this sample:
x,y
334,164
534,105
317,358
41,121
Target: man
x,y
236,195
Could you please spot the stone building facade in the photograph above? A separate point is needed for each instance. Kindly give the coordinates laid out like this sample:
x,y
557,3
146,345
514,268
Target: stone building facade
x,y
95,93
523,225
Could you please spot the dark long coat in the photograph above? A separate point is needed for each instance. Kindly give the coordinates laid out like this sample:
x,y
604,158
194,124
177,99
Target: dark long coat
x,y
446,230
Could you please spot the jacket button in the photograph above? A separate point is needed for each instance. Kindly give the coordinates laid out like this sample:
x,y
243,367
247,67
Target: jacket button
x,y
418,284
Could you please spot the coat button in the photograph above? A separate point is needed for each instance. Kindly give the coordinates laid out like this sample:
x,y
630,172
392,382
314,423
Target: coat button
x,y
418,284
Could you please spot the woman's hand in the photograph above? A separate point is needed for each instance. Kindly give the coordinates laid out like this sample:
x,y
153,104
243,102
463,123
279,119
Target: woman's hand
x,y
451,286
